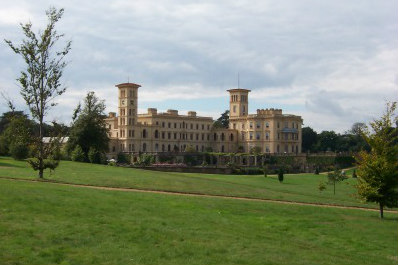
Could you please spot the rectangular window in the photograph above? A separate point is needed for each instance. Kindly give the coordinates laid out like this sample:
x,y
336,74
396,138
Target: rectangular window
x,y
251,136
251,125
258,136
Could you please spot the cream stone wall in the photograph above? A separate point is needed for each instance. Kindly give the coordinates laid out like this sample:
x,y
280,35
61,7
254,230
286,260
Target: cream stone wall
x,y
269,129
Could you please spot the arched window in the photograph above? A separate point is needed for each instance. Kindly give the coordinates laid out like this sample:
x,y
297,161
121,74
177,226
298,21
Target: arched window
x,y
215,136
222,137
144,133
156,147
144,147
169,148
156,134
163,148
231,137
222,149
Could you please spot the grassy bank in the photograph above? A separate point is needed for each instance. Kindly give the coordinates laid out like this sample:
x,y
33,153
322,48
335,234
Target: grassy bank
x,y
41,223
299,187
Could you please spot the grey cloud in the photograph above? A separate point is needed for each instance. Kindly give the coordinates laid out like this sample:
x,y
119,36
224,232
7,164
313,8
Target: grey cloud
x,y
278,45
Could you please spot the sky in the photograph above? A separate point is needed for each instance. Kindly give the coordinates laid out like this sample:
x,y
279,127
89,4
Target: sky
x,y
333,62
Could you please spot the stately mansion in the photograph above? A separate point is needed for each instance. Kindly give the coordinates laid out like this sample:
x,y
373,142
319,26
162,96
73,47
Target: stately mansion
x,y
269,130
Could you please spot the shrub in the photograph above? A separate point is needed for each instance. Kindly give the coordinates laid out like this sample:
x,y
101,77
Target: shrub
x,y
280,175
145,160
321,186
19,151
77,154
317,171
354,174
123,158
94,156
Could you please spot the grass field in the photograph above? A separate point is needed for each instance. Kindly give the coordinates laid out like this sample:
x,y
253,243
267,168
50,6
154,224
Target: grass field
x,y
44,223
300,187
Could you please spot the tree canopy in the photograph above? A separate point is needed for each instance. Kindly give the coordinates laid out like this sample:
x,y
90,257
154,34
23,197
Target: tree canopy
x,y
40,81
223,121
89,129
378,169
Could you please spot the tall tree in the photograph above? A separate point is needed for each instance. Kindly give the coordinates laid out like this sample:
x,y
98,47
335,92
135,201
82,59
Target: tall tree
x,y
378,169
310,138
223,121
327,141
40,82
89,129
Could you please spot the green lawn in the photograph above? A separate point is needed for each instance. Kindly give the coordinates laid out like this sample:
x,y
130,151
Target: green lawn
x,y
300,187
43,223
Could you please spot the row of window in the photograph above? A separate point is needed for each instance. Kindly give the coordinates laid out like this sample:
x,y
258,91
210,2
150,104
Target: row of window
x,y
180,136
267,136
267,124
184,125
294,149
243,109
235,98
123,93
162,148
123,122
175,148
123,112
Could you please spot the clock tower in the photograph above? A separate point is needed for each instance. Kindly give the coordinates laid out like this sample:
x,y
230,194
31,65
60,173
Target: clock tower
x,y
127,108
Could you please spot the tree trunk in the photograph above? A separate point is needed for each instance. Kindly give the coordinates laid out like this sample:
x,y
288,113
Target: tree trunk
x,y
381,210
41,151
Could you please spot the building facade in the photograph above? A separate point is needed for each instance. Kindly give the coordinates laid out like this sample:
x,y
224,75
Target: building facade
x,y
268,130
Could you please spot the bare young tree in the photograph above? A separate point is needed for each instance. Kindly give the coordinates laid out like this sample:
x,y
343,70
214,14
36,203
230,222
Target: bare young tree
x,y
40,80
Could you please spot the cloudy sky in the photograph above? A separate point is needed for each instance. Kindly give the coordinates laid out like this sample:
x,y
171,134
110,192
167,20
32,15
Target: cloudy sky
x,y
333,62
